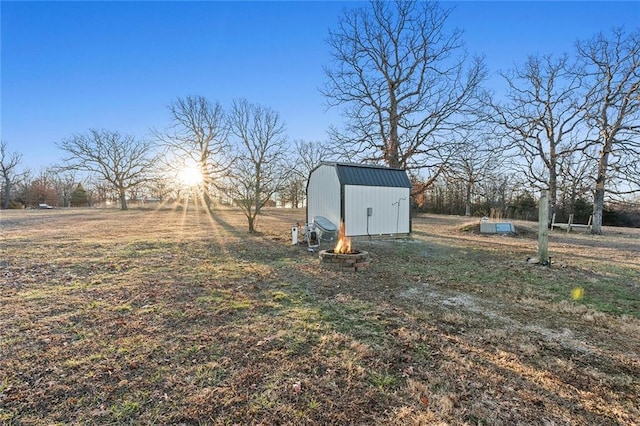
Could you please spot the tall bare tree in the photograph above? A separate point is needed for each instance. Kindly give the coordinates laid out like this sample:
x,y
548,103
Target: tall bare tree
x,y
612,65
402,82
9,162
540,118
260,167
120,160
198,134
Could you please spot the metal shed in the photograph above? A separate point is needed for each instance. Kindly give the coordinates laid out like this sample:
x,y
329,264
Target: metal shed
x,y
370,200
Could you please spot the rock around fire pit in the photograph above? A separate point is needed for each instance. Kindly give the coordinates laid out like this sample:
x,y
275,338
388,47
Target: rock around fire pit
x,y
354,261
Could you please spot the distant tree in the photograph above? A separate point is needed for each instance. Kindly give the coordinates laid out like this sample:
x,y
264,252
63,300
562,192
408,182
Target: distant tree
x,y
612,110
293,191
401,81
497,190
42,190
309,155
305,156
540,119
473,161
260,167
9,162
120,160
161,187
524,206
198,135
100,192
65,183
575,182
79,197
21,186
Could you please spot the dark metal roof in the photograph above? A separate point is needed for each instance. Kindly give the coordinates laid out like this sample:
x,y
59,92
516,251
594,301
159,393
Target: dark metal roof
x,y
367,175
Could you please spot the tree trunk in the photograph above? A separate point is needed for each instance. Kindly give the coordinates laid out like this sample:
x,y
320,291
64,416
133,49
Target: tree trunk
x,y
392,145
206,183
258,188
123,199
207,197
598,207
251,220
598,195
7,193
469,188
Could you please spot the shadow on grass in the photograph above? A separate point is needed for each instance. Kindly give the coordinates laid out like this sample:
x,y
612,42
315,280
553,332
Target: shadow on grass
x,y
260,333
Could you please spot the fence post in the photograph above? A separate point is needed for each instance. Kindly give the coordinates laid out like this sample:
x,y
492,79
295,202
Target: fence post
x,y
543,228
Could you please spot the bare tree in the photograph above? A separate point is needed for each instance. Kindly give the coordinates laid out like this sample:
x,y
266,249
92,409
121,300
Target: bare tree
x,y
306,156
161,187
100,192
198,134
575,180
9,162
65,184
540,118
612,67
401,81
120,160
259,169
497,190
472,163
41,189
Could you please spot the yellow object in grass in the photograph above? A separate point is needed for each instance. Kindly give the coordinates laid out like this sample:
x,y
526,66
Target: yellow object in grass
x,y
577,293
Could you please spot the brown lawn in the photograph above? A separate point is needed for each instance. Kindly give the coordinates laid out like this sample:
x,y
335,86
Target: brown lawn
x,y
177,317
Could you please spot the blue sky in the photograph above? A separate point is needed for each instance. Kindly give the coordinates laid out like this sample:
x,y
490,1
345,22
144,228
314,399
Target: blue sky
x,y
71,66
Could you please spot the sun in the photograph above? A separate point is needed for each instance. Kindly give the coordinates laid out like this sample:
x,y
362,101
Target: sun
x,y
190,175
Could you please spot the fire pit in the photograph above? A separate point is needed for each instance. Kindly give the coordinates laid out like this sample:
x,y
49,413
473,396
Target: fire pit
x,y
343,257
354,261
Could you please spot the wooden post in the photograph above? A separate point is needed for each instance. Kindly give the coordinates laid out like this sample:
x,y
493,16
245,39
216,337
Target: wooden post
x,y
543,228
570,223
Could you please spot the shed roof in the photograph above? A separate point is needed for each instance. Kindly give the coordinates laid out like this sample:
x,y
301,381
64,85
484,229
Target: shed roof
x,y
369,175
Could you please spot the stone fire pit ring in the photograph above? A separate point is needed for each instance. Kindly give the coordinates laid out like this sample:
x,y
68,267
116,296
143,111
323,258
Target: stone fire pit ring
x,y
344,261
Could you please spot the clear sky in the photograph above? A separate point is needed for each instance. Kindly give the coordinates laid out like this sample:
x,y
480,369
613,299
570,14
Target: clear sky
x,y
71,66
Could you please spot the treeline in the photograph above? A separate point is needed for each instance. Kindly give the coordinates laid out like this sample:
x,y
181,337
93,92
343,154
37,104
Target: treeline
x,y
501,197
507,199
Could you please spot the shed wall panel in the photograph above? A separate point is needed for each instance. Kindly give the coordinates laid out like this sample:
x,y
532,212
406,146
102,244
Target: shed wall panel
x,y
391,212
323,194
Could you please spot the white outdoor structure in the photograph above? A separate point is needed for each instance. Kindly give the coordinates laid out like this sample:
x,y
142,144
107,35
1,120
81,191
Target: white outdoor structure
x,y
370,200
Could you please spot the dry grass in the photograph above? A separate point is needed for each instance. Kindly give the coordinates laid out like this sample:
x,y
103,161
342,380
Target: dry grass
x,y
177,317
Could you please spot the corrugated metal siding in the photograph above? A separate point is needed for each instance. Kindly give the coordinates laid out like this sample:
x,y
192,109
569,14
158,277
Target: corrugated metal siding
x,y
323,194
387,218
372,176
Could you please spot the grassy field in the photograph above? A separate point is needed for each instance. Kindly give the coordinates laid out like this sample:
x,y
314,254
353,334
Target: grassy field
x,y
174,317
